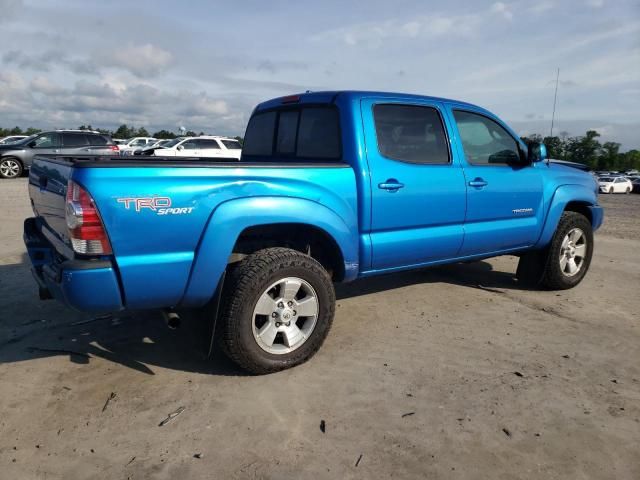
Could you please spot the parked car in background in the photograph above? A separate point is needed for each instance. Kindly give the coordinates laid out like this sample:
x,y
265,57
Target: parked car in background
x,y
17,157
615,184
134,144
148,150
11,139
635,183
207,146
119,141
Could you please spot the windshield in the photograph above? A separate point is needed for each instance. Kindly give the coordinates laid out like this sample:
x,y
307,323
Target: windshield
x,y
23,141
606,179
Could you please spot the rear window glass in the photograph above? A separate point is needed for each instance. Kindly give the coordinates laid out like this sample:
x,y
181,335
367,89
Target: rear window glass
x,y
258,139
299,133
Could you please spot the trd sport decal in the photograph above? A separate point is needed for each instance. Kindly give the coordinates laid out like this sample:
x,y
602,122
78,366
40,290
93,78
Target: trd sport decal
x,y
159,205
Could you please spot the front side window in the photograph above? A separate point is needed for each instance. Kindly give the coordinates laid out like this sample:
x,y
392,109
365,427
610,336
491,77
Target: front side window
x,y
484,141
47,140
410,133
305,132
190,145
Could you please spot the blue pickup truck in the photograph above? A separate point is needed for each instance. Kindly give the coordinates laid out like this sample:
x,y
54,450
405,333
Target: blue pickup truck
x,y
331,186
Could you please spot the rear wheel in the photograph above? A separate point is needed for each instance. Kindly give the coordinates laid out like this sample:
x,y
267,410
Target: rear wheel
x,y
628,191
570,252
278,309
10,168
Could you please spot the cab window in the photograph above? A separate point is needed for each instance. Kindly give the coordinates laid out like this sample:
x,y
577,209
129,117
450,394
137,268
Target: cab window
x,y
484,141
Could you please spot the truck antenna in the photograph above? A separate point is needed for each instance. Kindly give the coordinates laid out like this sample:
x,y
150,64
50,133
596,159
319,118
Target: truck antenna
x,y
555,98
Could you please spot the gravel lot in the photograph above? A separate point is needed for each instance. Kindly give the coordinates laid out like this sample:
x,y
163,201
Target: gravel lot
x,y
452,372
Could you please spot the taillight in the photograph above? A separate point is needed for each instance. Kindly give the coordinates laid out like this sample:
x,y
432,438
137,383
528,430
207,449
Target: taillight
x,y
114,148
86,231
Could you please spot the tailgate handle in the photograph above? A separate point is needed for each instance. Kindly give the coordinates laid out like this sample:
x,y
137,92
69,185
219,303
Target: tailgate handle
x,y
43,182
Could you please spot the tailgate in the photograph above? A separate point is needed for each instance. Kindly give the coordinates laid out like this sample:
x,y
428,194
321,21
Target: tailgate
x,y
47,189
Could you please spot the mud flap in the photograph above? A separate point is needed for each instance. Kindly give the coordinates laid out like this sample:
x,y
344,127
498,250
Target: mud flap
x,y
531,267
214,307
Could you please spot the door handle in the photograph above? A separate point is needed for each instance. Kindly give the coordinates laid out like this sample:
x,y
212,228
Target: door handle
x,y
478,183
392,185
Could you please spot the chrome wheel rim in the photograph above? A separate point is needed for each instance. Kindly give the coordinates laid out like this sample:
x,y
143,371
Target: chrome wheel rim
x,y
285,315
9,168
573,252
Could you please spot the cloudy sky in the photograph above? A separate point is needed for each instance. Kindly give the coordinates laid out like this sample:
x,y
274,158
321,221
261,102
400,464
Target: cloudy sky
x,y
205,64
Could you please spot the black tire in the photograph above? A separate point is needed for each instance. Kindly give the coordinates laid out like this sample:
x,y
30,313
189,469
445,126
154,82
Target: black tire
x,y
628,191
554,278
10,167
611,190
244,285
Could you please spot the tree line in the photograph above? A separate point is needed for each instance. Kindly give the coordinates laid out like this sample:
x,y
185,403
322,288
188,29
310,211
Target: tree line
x,y
586,149
123,131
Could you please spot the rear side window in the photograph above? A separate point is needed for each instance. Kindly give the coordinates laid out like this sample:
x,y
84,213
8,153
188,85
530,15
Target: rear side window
x,y
208,144
484,141
74,140
232,144
411,133
306,132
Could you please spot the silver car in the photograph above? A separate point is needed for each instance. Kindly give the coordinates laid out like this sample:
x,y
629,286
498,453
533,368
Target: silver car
x,y
17,157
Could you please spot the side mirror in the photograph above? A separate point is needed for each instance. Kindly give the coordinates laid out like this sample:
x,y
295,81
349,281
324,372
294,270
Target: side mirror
x,y
537,152
31,144
180,147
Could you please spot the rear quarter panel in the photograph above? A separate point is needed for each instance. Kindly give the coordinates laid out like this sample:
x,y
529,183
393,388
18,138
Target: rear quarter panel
x,y
155,254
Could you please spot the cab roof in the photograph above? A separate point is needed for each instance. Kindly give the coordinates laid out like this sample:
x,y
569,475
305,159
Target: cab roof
x,y
332,96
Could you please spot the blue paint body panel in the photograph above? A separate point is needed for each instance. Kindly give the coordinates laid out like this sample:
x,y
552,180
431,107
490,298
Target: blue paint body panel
x,y
169,260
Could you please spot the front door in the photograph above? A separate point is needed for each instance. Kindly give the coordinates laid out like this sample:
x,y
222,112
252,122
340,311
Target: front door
x,y
44,144
505,205
417,184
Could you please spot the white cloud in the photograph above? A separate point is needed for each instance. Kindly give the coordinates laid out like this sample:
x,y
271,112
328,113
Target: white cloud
x,y
595,3
542,6
141,60
503,9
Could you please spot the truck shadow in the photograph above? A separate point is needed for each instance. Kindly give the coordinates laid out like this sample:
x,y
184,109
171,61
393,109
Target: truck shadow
x,y
33,329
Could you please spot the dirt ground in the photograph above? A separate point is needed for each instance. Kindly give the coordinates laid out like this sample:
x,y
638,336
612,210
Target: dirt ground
x,y
447,373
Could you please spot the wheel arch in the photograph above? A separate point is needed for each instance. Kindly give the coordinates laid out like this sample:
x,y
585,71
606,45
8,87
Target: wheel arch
x,y
574,198
241,226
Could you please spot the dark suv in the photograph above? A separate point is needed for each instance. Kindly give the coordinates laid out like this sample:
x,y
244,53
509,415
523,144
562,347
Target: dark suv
x,y
17,157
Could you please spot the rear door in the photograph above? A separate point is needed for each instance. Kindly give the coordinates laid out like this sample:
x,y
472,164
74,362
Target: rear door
x,y
417,186
74,143
504,201
208,147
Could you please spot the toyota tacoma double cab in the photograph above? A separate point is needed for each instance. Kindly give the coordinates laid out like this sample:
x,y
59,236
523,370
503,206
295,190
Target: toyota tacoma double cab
x,y
331,187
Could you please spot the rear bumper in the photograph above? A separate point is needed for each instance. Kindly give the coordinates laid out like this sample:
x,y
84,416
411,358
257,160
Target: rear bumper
x,y
86,285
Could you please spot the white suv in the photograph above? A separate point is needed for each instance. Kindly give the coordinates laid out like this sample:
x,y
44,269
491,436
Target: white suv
x,y
205,146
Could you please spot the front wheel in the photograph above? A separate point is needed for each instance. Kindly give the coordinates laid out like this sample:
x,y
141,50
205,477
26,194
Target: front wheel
x,y
278,307
628,191
611,190
570,252
10,168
